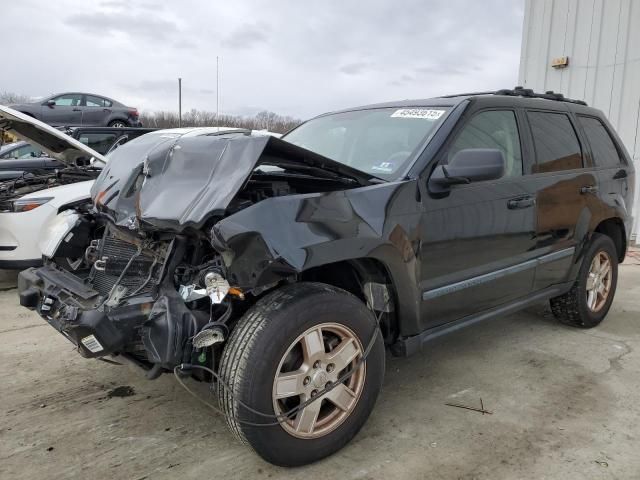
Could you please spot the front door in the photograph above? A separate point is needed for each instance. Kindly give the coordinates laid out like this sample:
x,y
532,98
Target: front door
x,y
477,248
66,111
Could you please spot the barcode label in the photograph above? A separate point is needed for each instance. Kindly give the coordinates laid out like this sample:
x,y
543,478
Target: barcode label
x,y
92,344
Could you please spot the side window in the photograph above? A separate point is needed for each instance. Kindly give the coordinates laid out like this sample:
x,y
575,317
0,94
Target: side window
x,y
100,142
27,151
92,101
495,129
605,153
555,141
68,100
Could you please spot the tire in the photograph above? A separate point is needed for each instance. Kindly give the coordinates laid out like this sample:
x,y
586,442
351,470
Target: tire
x,y
255,353
572,308
118,124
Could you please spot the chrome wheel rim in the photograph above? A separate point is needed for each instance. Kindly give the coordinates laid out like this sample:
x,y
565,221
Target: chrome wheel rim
x,y
319,356
599,281
118,125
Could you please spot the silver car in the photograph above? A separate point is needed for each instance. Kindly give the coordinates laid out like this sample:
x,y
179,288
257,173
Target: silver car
x,y
81,109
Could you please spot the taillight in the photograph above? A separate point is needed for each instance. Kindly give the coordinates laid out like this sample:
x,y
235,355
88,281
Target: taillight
x,y
133,112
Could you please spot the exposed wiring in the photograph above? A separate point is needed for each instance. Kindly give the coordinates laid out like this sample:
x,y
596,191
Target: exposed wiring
x,y
284,417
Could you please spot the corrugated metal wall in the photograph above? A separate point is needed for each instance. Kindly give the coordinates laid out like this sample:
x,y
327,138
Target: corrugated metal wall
x,y
602,40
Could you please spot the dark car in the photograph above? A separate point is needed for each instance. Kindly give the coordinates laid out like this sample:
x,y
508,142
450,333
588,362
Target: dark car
x,y
81,109
19,150
279,269
21,158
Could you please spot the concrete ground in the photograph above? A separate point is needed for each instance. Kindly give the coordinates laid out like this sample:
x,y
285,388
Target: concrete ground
x,y
565,403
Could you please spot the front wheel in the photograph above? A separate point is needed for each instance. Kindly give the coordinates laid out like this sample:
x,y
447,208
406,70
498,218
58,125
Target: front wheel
x,y
291,345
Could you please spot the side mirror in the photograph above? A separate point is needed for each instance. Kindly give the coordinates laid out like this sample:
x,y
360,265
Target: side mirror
x,y
51,103
466,166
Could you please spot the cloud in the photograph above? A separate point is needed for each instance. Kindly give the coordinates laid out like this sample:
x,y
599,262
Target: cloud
x,y
132,25
301,58
246,36
355,68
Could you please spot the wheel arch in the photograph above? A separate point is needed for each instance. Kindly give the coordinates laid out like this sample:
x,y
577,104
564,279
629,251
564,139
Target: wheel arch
x,y
370,280
614,228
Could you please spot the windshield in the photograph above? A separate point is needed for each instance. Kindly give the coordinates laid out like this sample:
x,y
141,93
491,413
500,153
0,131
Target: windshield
x,y
381,142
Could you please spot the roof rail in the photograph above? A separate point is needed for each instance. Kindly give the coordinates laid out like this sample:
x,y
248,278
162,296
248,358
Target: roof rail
x,y
520,91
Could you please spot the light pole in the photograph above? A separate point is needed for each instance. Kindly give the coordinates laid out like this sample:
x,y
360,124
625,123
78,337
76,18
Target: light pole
x,y
179,102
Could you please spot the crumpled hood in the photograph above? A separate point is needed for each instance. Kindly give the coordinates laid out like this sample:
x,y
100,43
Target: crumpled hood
x,y
171,182
57,144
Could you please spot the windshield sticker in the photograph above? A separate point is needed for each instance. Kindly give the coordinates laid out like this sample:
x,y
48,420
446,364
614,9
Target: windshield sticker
x,y
424,113
384,167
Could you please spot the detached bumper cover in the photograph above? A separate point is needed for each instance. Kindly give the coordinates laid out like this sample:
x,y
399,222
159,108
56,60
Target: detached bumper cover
x,y
66,304
157,327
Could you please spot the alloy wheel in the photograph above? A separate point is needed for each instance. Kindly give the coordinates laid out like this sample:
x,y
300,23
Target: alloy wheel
x,y
316,359
599,281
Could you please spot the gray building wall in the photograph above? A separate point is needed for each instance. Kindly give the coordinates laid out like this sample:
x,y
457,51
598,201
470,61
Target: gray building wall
x,y
602,40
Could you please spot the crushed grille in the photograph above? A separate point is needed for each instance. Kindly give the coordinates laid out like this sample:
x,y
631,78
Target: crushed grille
x,y
116,253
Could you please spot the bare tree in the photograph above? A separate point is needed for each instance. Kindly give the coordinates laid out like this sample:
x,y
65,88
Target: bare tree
x,y
7,98
264,120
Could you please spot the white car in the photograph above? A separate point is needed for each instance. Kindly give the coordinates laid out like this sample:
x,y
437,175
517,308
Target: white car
x,y
24,220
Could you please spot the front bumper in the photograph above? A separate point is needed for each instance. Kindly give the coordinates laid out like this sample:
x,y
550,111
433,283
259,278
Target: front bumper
x,y
72,308
154,330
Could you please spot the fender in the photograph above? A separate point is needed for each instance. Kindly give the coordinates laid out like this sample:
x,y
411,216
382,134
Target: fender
x,y
283,236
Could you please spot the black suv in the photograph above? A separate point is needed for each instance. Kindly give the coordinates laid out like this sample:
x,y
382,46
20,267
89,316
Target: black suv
x,y
279,269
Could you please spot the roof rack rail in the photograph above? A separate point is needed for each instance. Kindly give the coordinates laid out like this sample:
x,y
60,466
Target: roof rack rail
x,y
520,91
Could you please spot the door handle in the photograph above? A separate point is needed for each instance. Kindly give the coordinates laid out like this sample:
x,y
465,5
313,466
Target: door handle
x,y
521,202
106,110
76,110
589,189
620,174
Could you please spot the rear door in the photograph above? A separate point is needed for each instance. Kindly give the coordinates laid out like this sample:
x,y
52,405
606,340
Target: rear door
x,y
561,184
67,110
477,245
95,110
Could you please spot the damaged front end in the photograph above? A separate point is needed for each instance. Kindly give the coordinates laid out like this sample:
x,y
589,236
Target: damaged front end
x,y
146,273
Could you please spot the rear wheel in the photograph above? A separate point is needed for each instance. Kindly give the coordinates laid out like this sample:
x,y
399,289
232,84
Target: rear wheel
x,y
118,124
589,300
291,345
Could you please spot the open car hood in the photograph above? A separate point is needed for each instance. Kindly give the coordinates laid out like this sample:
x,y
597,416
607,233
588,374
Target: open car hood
x,y
171,182
58,145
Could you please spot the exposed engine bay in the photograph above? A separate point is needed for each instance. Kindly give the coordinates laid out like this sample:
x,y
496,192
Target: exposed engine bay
x,y
161,295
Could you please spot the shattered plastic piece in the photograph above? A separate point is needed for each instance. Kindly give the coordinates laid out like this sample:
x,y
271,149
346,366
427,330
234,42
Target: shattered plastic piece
x,y
189,293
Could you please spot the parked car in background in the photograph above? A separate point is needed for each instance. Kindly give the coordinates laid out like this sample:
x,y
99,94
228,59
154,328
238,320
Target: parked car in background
x,y
29,203
81,109
23,158
18,150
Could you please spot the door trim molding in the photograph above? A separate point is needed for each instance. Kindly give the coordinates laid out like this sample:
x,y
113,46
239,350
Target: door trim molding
x,y
491,276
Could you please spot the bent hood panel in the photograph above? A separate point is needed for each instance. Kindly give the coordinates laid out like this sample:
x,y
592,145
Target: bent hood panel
x,y
171,182
58,145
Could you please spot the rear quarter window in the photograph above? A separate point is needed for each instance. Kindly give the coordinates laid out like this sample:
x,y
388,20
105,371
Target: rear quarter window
x,y
603,149
555,142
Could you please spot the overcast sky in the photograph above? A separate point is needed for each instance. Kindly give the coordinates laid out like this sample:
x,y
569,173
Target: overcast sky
x,y
293,57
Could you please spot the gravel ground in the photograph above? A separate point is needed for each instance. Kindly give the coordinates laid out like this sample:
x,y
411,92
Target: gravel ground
x,y
565,404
